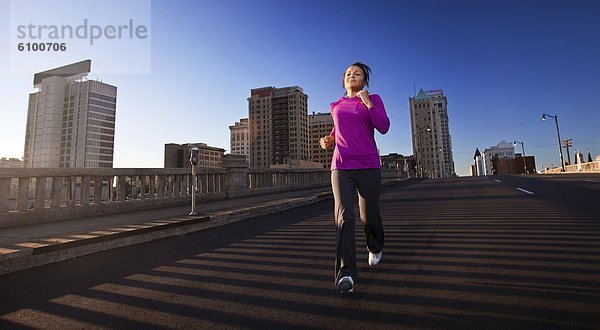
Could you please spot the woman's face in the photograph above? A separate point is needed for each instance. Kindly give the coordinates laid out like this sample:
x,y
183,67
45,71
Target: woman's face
x,y
354,78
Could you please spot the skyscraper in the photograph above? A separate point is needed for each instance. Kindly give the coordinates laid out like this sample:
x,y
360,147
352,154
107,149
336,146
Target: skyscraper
x,y
278,119
70,120
432,145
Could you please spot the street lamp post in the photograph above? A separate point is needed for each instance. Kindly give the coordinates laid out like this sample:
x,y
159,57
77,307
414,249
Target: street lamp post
x,y
420,130
555,117
193,163
522,154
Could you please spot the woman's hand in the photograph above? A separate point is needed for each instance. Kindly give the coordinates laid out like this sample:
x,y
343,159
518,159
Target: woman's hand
x,y
327,141
364,97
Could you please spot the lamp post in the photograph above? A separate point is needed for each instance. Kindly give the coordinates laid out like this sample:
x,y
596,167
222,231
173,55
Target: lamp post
x,y
522,154
193,163
420,129
555,117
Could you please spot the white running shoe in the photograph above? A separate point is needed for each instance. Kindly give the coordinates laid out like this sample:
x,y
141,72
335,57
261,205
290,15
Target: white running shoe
x,y
345,284
374,258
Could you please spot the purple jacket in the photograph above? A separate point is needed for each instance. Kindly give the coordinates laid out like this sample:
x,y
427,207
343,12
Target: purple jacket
x,y
353,129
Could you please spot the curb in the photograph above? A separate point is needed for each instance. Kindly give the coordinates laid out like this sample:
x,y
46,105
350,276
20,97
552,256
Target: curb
x,y
50,250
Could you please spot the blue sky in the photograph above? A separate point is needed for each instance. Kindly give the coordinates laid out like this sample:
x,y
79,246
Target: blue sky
x,y
501,65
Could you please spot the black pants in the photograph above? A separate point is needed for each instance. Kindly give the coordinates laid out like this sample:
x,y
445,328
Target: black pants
x,y
345,184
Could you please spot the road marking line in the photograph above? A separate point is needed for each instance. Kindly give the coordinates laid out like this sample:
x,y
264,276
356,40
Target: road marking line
x,y
497,180
525,191
594,181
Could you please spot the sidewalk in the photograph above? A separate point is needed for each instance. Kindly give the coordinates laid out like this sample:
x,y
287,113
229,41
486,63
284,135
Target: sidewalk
x,y
34,245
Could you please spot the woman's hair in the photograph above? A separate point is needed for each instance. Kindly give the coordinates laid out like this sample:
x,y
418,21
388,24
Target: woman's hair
x,y
365,68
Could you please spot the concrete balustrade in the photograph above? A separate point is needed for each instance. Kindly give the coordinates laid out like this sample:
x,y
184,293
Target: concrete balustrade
x,y
37,195
588,167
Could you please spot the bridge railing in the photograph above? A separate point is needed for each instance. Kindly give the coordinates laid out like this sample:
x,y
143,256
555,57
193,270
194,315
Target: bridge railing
x,y
35,195
588,167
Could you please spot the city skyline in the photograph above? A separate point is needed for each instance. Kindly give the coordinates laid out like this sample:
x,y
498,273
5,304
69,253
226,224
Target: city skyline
x,y
501,65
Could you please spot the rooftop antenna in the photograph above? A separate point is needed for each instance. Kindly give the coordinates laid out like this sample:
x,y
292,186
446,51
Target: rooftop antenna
x,y
414,89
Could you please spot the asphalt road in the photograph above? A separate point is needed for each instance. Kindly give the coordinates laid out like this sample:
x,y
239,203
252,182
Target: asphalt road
x,y
511,252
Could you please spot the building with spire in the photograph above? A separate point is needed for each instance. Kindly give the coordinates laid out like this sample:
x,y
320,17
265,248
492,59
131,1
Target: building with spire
x,y
478,167
432,144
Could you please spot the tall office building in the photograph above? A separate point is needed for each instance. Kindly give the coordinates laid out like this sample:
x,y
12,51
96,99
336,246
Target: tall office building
x,y
239,141
278,119
70,120
432,145
320,125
